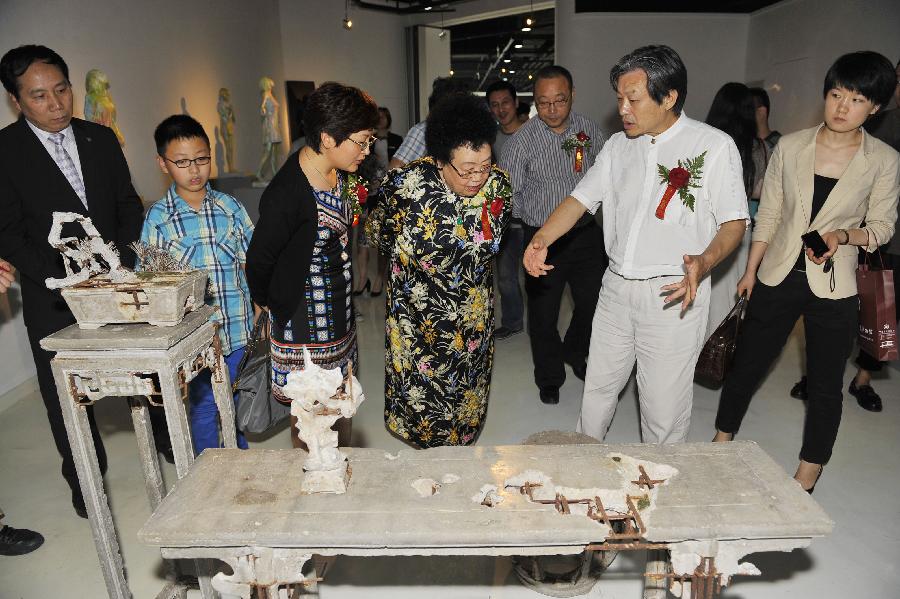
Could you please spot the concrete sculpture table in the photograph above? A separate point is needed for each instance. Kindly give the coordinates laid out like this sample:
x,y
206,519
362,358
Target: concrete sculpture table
x,y
707,504
156,364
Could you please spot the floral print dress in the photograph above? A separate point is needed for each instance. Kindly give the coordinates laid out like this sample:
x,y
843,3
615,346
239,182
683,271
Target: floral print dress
x,y
440,301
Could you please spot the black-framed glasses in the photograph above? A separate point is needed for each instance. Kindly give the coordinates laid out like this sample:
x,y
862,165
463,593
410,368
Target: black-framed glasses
x,y
186,162
475,172
364,145
556,103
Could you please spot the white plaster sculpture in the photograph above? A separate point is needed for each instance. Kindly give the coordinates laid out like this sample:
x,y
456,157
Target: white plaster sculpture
x,y
319,397
226,127
82,253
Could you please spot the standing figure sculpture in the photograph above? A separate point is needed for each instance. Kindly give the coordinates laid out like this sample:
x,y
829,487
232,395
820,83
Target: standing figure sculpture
x,y
226,127
98,103
271,134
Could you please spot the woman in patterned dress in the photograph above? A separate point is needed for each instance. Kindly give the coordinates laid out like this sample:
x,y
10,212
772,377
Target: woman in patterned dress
x,y
299,266
440,221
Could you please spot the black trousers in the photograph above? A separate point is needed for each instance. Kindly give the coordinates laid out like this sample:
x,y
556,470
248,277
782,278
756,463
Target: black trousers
x,y
47,386
830,329
579,260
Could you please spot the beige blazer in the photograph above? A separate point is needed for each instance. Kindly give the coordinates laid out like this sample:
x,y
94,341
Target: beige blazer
x,y
867,191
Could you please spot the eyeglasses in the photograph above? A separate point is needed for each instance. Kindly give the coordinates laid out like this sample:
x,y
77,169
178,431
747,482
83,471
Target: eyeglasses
x,y
475,172
554,104
364,145
186,162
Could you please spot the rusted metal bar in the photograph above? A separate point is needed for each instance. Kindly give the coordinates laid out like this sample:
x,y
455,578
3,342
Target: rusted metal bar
x,y
644,479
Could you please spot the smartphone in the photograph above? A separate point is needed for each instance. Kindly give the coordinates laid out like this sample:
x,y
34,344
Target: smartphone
x,y
814,241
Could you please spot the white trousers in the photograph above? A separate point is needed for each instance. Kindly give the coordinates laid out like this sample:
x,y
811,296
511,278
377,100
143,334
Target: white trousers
x,y
630,324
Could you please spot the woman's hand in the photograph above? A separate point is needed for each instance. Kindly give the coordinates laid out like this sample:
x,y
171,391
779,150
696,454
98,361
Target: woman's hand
x,y
746,284
831,239
7,275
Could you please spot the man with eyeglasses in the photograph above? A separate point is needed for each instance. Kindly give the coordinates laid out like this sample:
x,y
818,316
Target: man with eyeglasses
x,y
674,206
51,162
546,159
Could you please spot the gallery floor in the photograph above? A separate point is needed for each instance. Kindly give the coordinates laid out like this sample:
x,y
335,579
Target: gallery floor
x,y
859,490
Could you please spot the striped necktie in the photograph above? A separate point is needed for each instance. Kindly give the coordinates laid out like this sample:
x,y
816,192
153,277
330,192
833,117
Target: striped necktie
x,y
67,166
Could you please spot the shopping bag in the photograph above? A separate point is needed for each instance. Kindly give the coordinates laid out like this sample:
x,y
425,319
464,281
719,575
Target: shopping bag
x,y
877,312
715,357
257,409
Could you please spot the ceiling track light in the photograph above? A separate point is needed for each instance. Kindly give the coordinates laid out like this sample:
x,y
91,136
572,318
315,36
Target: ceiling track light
x,y
530,20
347,23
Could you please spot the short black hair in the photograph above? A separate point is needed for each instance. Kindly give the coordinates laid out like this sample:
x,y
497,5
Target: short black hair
x,y
665,72
524,108
867,73
458,121
338,110
15,62
554,71
387,114
442,87
760,97
499,86
177,126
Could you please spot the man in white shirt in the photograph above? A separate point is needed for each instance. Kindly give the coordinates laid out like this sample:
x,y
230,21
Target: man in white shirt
x,y
674,206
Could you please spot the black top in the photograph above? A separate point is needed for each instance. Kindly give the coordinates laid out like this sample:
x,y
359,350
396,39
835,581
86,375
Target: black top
x,y
279,254
32,188
822,186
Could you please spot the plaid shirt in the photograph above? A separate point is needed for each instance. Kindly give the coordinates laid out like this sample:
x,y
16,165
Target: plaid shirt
x,y
215,239
413,146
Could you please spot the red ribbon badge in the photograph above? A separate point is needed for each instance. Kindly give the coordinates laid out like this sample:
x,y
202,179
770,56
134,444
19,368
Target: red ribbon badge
x,y
486,222
362,193
678,178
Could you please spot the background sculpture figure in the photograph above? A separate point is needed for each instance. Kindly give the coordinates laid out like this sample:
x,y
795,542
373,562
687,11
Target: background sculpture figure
x,y
98,103
226,127
271,134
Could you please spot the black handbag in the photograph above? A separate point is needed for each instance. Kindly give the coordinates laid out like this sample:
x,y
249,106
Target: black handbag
x,y
257,409
715,357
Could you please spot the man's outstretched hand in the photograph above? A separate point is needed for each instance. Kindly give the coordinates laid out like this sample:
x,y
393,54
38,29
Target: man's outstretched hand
x,y
695,268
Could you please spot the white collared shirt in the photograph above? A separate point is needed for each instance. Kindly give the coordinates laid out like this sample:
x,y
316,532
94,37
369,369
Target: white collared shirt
x,y
68,143
625,180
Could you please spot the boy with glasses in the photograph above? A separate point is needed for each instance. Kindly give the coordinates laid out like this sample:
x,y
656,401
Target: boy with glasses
x,y
204,229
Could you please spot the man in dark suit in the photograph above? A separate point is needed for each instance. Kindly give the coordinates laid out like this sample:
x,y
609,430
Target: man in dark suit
x,y
51,162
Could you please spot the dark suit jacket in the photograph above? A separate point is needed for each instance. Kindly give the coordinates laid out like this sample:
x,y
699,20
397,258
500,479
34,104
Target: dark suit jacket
x,y
394,142
32,188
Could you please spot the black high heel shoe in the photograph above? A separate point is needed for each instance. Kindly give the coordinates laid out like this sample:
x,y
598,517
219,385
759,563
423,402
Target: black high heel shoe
x,y
818,476
365,288
377,293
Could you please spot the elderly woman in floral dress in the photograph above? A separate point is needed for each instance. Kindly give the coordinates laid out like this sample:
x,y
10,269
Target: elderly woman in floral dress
x,y
441,223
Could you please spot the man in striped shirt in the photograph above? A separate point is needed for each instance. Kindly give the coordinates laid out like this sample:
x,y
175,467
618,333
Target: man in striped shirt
x,y
545,159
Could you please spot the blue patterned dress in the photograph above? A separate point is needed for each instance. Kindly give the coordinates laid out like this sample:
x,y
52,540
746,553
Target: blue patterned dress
x,y
326,307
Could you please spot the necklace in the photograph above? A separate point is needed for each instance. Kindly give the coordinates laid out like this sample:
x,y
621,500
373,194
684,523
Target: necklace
x,y
324,178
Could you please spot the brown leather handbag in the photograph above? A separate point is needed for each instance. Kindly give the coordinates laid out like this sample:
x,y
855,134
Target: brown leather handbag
x,y
715,357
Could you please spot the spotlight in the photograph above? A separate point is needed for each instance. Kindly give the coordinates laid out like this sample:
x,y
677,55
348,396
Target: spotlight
x,y
530,76
517,46
502,70
451,72
511,71
442,34
428,8
526,29
348,24
529,21
507,60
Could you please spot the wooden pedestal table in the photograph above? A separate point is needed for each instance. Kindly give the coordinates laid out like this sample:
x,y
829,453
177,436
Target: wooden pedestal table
x,y
707,505
152,364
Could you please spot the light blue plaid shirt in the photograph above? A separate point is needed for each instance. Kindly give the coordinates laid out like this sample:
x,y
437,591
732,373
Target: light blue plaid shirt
x,y
413,146
214,238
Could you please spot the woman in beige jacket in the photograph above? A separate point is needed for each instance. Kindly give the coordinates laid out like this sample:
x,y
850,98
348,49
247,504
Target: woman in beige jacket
x,y
829,179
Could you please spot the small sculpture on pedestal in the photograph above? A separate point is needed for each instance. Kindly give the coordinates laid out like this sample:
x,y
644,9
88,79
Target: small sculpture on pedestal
x,y
82,253
98,103
271,133
320,397
226,127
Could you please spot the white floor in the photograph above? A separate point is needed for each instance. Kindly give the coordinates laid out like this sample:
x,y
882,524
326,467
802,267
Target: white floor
x,y
859,489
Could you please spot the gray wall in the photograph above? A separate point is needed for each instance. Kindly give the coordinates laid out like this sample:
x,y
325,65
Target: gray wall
x,y
791,45
713,48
